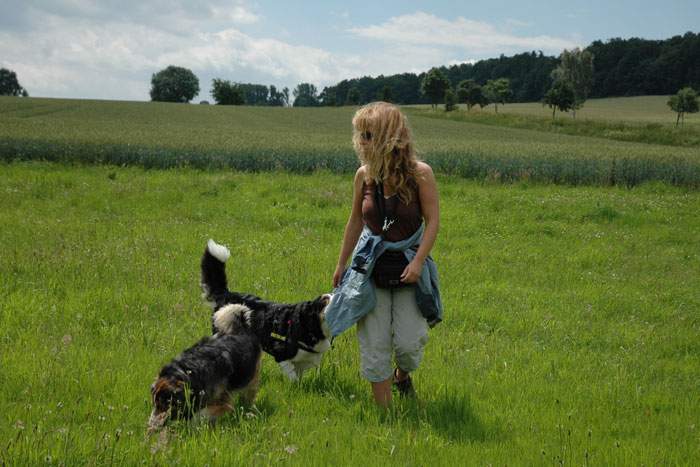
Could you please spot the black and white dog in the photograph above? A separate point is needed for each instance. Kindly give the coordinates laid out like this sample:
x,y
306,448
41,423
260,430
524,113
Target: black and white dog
x,y
201,379
295,334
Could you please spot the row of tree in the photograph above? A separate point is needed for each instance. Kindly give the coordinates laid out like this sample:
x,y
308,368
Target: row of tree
x,y
178,84
226,92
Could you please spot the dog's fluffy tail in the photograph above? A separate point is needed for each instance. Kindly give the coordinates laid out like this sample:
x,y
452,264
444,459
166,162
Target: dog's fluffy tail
x,y
214,271
231,319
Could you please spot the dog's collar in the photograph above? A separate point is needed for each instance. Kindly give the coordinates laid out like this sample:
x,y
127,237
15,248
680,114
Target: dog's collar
x,y
301,345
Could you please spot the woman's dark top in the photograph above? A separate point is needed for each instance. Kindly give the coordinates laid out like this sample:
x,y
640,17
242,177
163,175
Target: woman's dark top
x,y
408,216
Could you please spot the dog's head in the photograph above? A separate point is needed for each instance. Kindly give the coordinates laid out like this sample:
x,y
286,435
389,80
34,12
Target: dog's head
x,y
169,397
312,326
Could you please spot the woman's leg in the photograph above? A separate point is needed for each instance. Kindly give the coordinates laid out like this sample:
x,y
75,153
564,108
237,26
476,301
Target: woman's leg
x,y
374,335
410,331
382,393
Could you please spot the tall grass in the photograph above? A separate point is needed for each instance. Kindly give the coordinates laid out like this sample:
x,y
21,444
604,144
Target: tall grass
x,y
157,135
648,133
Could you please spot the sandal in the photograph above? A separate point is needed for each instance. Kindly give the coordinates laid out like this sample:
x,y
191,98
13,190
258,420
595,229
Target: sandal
x,y
405,386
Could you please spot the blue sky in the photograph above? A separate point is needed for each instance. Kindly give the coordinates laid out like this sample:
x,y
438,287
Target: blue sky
x,y
109,49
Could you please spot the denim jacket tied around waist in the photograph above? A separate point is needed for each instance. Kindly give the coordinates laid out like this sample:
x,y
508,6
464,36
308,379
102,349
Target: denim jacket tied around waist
x,y
355,296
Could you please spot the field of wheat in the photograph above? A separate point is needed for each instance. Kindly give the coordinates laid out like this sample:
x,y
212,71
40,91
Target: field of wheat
x,y
159,135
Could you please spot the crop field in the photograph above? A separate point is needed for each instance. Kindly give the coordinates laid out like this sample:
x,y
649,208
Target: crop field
x,y
303,140
571,332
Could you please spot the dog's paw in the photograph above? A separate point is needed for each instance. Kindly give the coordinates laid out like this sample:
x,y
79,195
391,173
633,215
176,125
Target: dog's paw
x,y
290,370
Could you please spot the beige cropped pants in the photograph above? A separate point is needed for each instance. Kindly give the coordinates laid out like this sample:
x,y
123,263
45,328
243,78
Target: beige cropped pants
x,y
395,326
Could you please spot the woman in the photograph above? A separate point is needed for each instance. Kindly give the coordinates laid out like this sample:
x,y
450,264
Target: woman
x,y
394,209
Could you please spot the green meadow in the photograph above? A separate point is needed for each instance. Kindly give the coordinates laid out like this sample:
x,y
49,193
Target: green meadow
x,y
571,332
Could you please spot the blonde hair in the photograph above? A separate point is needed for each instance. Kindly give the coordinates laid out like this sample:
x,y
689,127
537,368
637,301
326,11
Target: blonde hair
x,y
388,154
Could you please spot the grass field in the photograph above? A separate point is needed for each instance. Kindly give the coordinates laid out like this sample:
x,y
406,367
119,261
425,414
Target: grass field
x,y
638,109
642,119
571,332
302,140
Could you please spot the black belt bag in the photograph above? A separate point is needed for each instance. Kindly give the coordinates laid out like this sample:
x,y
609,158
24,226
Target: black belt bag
x,y
388,268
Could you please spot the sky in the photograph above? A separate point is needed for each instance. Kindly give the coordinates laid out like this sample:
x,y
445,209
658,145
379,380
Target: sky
x,y
110,49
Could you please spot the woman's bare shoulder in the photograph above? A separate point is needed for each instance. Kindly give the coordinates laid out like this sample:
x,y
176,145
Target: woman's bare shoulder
x,y
361,174
423,171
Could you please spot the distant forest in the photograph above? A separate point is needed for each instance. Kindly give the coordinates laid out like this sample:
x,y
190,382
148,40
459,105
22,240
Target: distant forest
x,y
622,67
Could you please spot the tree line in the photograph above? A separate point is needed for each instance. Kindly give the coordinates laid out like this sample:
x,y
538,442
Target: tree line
x,y
621,67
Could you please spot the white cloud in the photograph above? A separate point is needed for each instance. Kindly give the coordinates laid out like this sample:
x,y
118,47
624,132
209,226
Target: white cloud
x,y
81,48
68,55
237,14
475,37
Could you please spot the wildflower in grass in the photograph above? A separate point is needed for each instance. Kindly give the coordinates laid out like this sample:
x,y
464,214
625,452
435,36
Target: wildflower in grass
x,y
291,449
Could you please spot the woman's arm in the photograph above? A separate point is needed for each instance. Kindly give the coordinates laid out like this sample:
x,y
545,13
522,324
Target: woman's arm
x,y
430,208
353,228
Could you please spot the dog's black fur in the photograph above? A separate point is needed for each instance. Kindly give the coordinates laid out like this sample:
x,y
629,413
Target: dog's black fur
x,y
202,377
301,322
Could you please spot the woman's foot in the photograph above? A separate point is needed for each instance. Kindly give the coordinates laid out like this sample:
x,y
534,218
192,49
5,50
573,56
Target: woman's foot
x,y
403,384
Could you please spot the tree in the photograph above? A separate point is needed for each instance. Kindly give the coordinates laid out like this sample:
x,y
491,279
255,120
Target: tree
x,y
560,96
386,94
225,92
685,101
305,95
353,97
327,97
576,67
285,96
434,85
497,91
174,84
276,97
450,100
9,85
254,94
468,92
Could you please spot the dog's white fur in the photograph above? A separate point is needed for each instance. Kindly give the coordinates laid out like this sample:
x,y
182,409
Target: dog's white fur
x,y
219,252
225,318
303,360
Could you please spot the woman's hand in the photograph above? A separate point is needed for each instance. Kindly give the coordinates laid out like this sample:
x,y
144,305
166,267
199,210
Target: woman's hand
x,y
411,273
337,275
